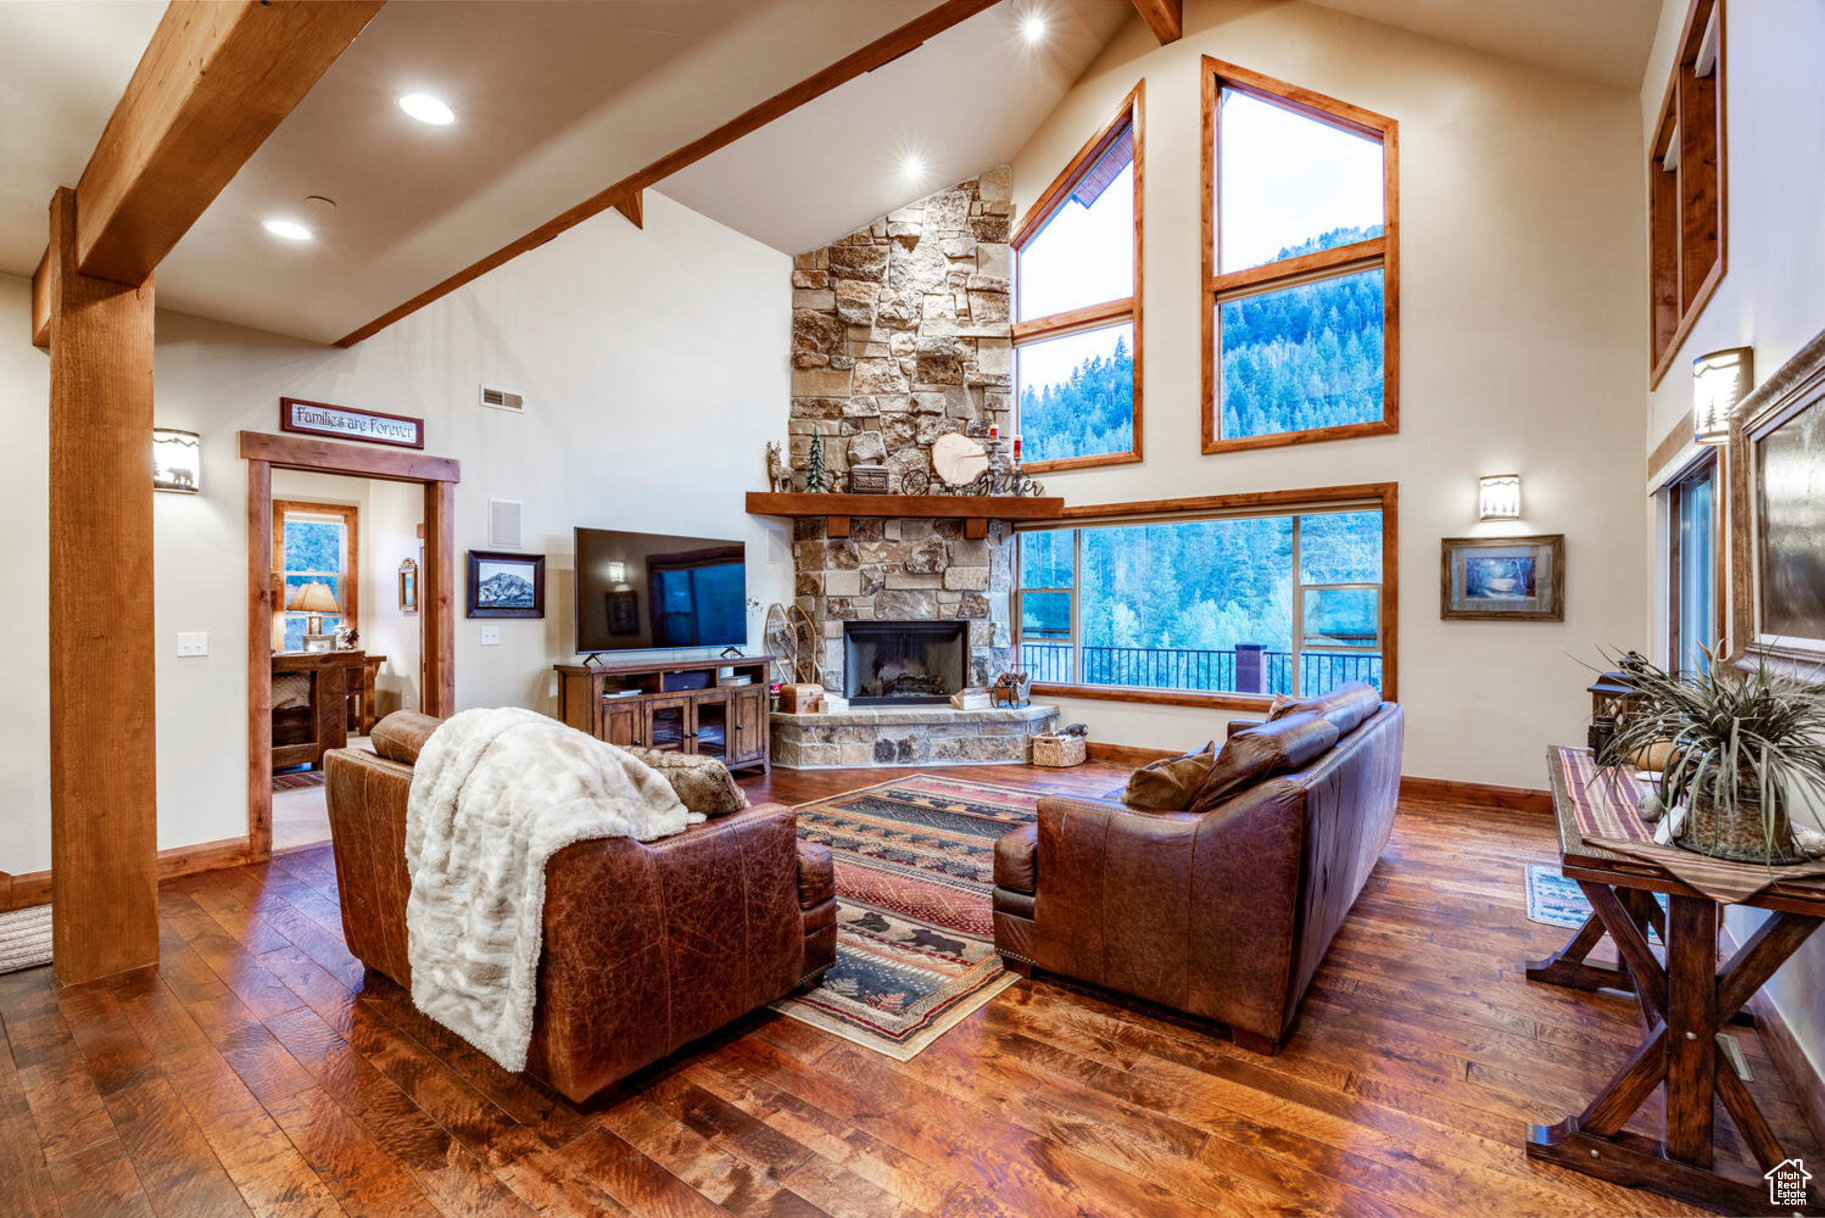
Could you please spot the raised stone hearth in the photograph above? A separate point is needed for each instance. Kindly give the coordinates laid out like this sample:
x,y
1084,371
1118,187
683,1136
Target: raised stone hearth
x,y
920,735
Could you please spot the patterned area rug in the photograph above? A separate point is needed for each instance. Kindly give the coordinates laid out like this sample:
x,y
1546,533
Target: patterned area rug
x,y
25,938
297,780
1554,900
915,950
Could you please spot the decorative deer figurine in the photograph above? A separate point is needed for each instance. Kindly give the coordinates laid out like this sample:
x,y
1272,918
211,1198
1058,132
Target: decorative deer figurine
x,y
779,478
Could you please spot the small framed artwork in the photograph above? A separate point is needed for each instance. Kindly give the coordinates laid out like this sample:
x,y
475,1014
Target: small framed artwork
x,y
408,586
1518,579
505,584
624,613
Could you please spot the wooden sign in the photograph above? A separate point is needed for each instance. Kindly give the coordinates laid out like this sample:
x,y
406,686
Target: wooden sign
x,y
347,423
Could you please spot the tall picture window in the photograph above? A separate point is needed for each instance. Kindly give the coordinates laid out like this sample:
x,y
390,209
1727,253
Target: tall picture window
x,y
1686,187
1212,602
1301,265
1693,617
315,543
1077,291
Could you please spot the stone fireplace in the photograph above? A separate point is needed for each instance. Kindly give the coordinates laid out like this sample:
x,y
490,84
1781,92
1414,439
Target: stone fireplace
x,y
904,663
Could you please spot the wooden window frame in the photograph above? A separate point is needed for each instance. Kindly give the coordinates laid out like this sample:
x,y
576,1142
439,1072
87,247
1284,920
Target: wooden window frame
x,y
1707,465
1384,496
351,576
1381,252
1686,205
1130,114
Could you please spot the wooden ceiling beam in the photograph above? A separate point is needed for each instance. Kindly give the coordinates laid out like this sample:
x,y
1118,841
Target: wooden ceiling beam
x,y
1166,18
634,208
621,195
217,78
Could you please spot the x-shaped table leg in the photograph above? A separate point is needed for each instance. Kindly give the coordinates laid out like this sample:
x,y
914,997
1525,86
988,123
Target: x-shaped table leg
x,y
1684,1005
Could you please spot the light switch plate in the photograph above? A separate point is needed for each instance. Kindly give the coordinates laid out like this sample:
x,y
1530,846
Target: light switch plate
x,y
193,642
491,636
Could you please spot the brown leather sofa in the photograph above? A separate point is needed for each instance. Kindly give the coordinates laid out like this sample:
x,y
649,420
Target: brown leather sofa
x,y
1224,911
647,945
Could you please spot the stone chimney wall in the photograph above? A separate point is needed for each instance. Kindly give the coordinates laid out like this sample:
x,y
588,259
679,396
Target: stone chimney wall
x,y
902,331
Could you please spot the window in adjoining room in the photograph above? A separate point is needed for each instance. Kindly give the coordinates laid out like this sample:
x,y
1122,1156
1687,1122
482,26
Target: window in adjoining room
x,y
1686,188
1694,618
1301,265
315,543
1077,288
1213,603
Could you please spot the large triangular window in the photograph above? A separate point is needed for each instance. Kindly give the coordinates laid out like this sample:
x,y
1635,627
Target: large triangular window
x,y
1077,325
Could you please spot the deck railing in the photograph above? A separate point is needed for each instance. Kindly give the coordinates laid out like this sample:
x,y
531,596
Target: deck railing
x,y
1244,669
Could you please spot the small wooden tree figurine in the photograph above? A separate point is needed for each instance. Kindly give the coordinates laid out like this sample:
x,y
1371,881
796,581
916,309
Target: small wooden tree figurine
x,y
815,478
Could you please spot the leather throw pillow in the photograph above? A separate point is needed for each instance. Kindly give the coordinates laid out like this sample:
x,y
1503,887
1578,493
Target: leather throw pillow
x,y
1168,785
702,784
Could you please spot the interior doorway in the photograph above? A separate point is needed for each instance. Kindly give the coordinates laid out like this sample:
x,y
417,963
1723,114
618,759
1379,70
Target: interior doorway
x,y
314,604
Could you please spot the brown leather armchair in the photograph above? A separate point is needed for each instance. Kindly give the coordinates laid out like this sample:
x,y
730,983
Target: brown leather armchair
x,y
647,945
1223,912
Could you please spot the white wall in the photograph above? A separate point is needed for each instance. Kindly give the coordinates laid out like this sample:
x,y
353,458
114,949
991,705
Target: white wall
x,y
654,364
1772,295
1522,264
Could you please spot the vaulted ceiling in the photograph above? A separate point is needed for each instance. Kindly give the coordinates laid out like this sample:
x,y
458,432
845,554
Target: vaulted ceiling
x,y
556,99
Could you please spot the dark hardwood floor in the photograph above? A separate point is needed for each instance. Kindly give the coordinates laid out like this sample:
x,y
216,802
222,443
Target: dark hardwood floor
x,y
257,1070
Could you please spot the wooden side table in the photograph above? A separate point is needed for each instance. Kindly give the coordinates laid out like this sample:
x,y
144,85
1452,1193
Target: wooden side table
x,y
1684,1005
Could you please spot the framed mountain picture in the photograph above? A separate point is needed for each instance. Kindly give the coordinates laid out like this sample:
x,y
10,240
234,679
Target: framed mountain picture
x,y
506,584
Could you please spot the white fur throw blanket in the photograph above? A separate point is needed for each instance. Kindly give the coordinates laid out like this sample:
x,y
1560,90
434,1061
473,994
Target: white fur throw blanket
x,y
494,795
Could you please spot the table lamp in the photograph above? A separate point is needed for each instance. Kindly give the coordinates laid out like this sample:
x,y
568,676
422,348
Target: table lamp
x,y
315,599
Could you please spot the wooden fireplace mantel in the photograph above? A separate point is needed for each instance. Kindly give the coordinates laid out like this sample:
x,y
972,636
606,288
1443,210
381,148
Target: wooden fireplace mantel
x,y
974,510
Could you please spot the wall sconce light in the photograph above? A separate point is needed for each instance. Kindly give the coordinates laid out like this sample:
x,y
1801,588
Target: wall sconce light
x,y
1719,381
1499,497
617,573
177,460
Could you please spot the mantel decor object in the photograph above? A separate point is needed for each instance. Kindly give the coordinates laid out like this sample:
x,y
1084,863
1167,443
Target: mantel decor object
x,y
1743,745
997,475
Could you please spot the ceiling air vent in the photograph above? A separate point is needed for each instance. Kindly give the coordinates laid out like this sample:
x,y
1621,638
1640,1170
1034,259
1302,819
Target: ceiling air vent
x,y
500,399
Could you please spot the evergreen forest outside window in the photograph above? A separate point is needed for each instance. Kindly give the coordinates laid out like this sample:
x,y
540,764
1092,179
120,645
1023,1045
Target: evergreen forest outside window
x,y
1212,603
1301,265
1077,290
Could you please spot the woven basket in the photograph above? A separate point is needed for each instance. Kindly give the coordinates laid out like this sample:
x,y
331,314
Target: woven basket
x,y
1736,833
1058,752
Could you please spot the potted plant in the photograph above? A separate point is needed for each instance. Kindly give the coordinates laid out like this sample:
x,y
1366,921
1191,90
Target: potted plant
x,y
1741,745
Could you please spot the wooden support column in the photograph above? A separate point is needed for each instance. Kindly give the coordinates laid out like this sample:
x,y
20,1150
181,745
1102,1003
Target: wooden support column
x,y
439,595
104,810
262,603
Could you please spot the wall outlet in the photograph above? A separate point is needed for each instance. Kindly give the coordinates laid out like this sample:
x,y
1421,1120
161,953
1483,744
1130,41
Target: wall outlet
x,y
491,636
193,642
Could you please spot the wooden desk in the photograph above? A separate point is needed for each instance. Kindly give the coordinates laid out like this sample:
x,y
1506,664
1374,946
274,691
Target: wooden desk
x,y
1684,1005
301,735
363,698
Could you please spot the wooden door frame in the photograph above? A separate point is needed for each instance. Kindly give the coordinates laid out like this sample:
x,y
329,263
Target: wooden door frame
x,y
438,476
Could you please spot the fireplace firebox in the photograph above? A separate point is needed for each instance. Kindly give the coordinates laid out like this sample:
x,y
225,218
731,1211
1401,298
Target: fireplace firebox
x,y
904,663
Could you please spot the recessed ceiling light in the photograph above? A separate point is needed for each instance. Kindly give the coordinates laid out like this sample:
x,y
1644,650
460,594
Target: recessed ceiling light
x,y
912,167
290,230
1033,28
427,109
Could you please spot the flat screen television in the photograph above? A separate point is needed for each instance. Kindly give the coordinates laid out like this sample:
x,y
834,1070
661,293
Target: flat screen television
x,y
646,590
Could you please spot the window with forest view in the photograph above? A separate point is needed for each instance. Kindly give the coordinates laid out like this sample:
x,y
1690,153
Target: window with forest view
x,y
315,544
1300,263
1077,310
1282,603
